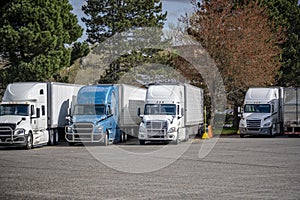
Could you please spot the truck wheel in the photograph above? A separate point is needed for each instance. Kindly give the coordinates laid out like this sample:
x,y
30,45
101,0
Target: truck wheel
x,y
177,138
142,142
29,142
55,141
122,137
272,130
125,137
105,142
51,138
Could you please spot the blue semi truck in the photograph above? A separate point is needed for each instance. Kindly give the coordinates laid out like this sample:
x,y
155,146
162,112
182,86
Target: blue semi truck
x,y
105,114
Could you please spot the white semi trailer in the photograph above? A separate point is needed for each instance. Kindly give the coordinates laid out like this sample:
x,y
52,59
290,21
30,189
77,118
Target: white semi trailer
x,y
291,111
34,113
172,113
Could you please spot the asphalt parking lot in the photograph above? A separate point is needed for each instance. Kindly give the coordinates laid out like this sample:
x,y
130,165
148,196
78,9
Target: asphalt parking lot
x,y
218,168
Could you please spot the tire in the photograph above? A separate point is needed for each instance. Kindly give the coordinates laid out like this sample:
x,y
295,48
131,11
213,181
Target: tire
x,y
242,135
51,138
29,142
177,138
142,142
272,130
125,137
122,135
56,137
105,141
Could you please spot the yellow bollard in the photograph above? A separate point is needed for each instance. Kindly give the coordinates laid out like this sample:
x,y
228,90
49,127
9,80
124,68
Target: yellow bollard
x,y
205,134
209,134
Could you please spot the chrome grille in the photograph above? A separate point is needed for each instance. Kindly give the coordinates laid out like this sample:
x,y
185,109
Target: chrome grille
x,y
156,129
156,125
83,128
253,123
7,129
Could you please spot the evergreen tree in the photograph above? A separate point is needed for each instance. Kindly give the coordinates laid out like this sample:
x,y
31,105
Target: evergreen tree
x,y
286,13
107,18
33,38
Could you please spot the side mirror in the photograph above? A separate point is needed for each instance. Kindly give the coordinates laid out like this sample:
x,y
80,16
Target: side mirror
x,y
181,114
240,111
68,118
32,111
139,111
38,114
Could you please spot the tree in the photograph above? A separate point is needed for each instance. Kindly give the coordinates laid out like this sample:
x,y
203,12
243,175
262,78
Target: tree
x,y
109,18
242,43
33,38
285,14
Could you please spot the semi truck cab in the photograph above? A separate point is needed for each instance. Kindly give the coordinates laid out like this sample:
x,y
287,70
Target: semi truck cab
x,y
161,121
94,118
262,112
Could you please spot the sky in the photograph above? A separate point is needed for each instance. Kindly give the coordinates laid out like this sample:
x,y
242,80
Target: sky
x,y
174,8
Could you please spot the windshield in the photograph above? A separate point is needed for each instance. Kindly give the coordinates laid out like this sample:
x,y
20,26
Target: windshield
x,y
257,108
14,110
89,110
160,109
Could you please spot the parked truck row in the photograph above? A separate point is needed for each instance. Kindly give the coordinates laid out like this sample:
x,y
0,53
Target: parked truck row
x,y
34,113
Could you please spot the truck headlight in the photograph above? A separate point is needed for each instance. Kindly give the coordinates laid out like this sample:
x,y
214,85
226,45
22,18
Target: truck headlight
x,y
68,129
242,123
99,129
142,129
20,132
172,129
267,124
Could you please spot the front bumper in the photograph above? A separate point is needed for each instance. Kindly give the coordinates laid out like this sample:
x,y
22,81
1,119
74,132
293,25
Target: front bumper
x,y
157,136
7,137
255,131
84,137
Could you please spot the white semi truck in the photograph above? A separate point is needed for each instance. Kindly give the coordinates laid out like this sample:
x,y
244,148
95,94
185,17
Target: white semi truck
x,y
34,113
172,113
270,111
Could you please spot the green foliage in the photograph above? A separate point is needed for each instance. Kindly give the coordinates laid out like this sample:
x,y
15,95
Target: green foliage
x,y
108,17
151,64
286,13
117,26
33,38
79,50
